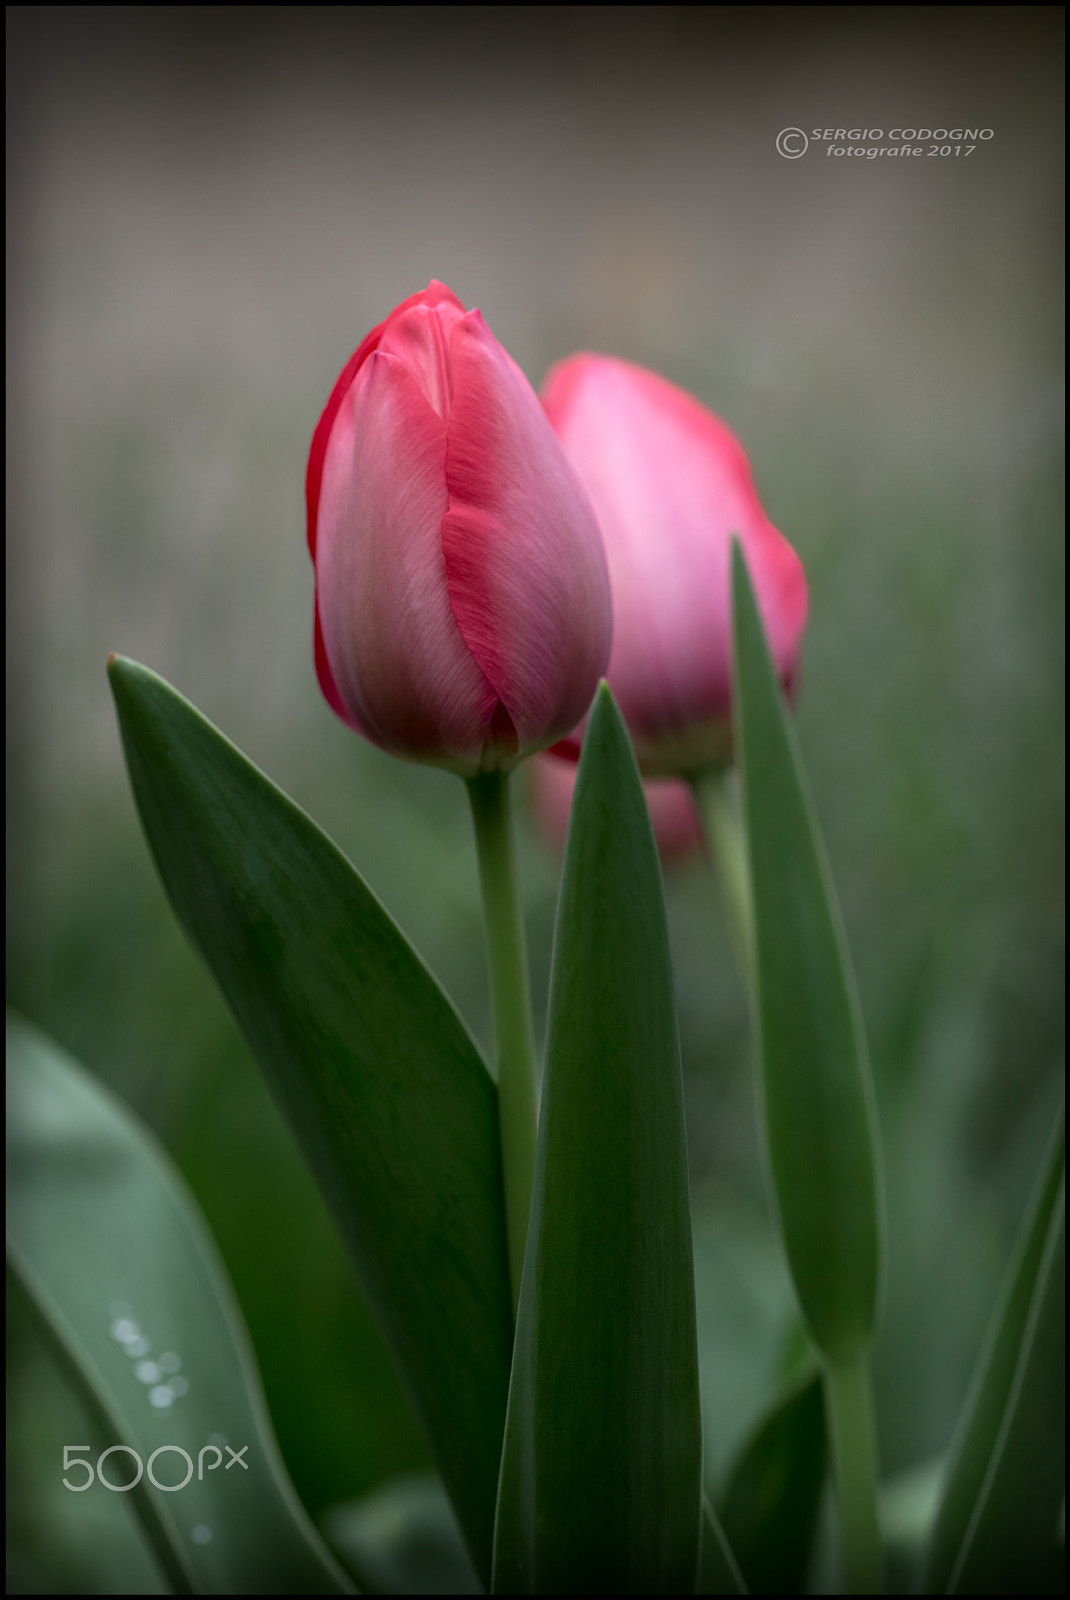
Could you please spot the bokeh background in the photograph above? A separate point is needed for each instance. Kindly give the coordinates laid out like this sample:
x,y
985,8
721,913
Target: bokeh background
x,y
207,209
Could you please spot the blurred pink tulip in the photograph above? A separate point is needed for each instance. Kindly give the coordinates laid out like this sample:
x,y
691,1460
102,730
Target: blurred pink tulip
x,y
677,829
462,599
670,485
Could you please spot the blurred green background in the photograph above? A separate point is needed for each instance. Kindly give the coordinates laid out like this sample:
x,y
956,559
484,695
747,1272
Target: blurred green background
x,y
207,209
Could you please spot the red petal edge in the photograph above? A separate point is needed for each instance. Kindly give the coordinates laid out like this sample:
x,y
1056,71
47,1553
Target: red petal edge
x,y
323,671
432,295
318,449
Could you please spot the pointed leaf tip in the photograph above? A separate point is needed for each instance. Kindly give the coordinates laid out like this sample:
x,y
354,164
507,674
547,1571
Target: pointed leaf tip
x,y
368,1060
600,1484
817,1093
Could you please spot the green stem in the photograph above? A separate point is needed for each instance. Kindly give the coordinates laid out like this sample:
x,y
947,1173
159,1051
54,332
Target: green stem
x,y
854,1457
718,809
507,959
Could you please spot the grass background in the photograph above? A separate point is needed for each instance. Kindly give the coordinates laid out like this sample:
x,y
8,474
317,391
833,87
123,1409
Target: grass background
x,y
207,209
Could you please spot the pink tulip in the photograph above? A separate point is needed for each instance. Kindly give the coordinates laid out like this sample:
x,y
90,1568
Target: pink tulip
x,y
673,816
462,599
671,485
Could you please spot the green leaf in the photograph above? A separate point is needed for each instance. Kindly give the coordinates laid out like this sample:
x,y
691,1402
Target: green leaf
x,y
403,1539
771,1505
1010,1543
601,1468
59,1542
718,1570
124,1277
817,1092
908,1505
1005,1478
371,1065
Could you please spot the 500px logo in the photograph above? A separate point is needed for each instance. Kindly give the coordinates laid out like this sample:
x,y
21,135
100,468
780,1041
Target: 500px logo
x,y
74,1455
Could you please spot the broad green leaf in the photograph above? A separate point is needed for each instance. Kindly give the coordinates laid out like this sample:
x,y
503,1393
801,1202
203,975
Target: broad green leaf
x,y
59,1542
770,1508
371,1065
986,1409
601,1469
718,1570
403,1539
115,1259
817,1093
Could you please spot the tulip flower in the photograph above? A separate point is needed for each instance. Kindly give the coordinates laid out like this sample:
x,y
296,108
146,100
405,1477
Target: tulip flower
x,y
673,817
462,609
671,485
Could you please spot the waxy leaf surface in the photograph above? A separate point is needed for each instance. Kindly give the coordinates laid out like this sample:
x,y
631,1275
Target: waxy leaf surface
x,y
817,1092
1006,1476
770,1508
130,1293
370,1064
601,1470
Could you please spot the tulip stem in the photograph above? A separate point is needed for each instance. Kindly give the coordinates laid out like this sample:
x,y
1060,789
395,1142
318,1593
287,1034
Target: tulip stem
x,y
511,997
718,807
852,1435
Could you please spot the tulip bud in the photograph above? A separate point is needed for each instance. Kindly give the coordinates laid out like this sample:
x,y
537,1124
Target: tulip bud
x,y
670,802
462,599
671,485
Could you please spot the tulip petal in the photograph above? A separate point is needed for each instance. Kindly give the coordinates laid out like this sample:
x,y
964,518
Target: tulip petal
x,y
671,484
395,655
420,340
321,437
323,670
527,577
434,295
462,598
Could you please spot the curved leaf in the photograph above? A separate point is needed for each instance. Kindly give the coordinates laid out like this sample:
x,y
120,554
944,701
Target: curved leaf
x,y
817,1090
125,1280
403,1539
1010,1543
770,1508
601,1468
987,1403
371,1065
718,1570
